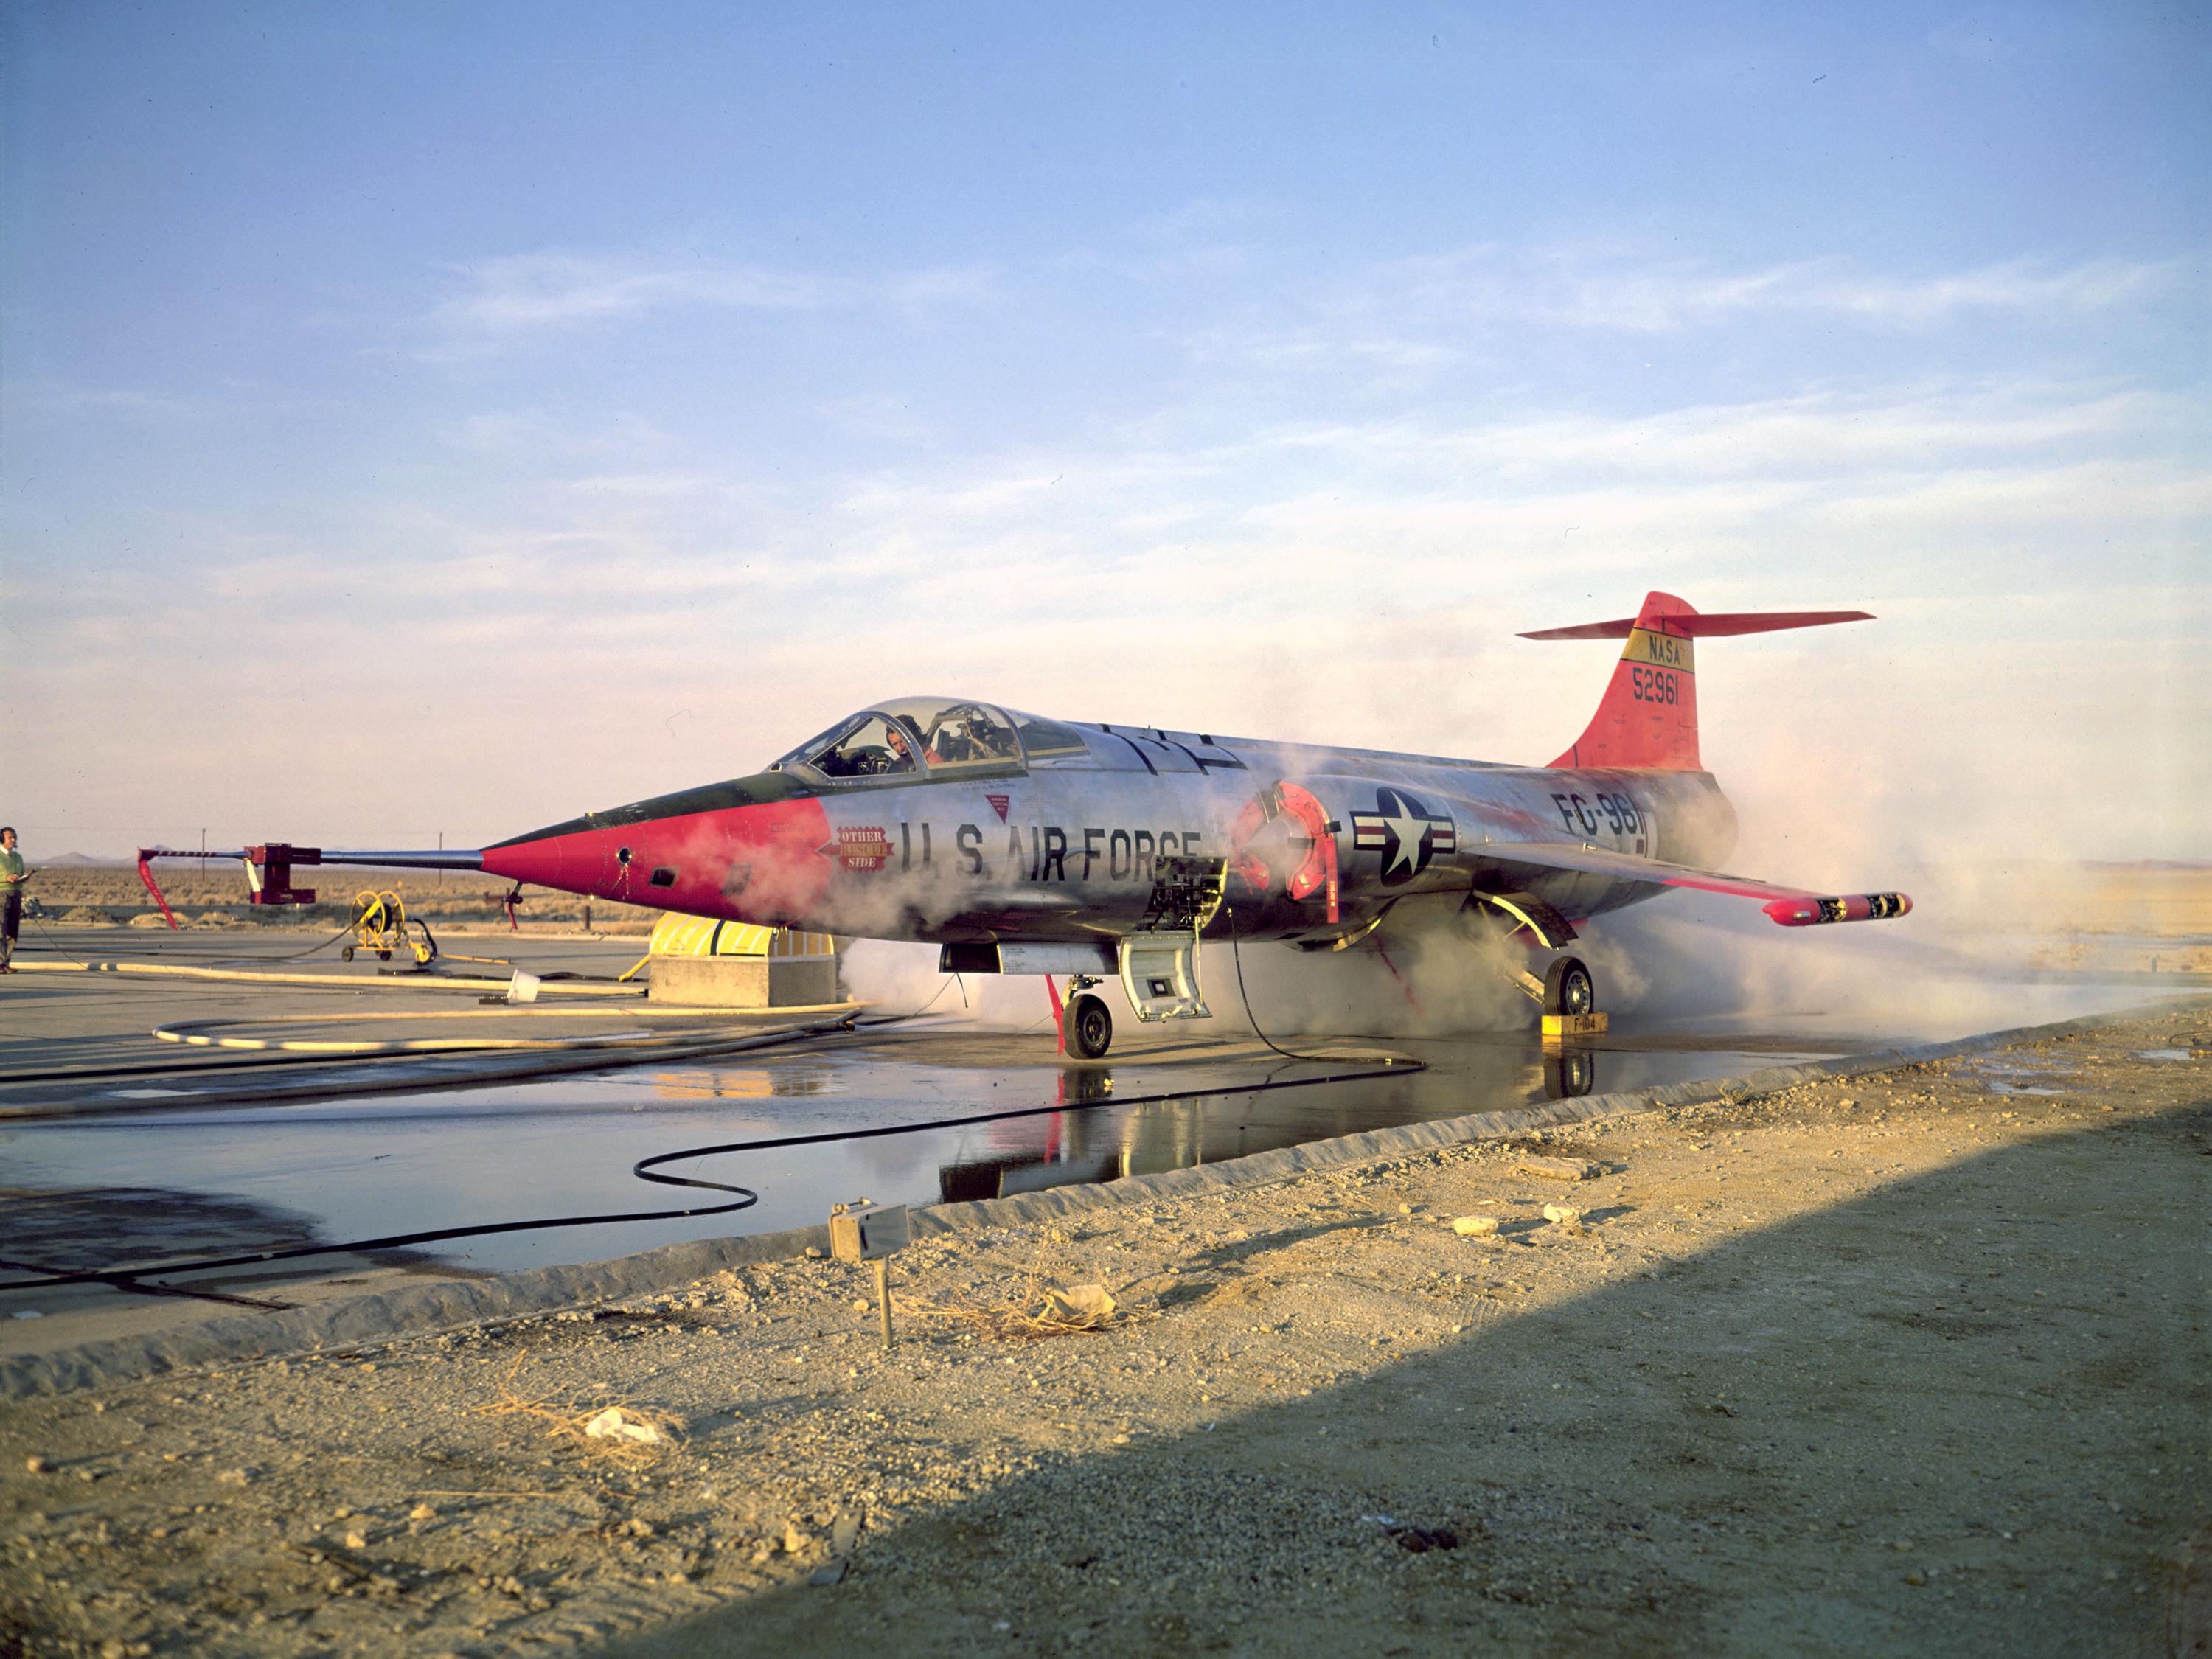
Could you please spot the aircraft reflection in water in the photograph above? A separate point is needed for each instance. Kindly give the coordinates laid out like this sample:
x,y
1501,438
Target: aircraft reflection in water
x,y
1109,1133
1113,1139
749,1083
1023,845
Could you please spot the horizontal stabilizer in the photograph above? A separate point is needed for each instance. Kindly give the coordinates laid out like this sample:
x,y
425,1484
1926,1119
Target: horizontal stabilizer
x,y
1706,625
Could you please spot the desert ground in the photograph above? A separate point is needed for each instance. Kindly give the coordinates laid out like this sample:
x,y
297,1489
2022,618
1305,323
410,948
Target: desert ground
x,y
1912,1362
88,895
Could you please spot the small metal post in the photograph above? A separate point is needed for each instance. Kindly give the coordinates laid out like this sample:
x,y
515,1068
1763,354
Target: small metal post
x,y
863,1231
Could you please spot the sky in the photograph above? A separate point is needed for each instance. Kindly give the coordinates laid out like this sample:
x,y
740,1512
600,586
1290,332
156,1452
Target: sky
x,y
426,421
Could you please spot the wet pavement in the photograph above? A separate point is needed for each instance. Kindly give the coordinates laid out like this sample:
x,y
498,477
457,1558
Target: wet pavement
x,y
183,1179
367,1167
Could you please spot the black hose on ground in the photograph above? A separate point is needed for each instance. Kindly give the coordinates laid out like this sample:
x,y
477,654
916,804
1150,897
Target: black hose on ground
x,y
652,1170
1236,953
54,945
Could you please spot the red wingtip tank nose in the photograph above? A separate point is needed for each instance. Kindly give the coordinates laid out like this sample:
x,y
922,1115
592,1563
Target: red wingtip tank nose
x,y
1809,911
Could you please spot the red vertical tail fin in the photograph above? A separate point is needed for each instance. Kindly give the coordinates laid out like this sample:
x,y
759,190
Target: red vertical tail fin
x,y
1648,714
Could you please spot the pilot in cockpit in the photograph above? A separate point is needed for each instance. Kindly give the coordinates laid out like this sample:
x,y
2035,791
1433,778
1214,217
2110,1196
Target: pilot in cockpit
x,y
970,734
949,745
990,740
875,748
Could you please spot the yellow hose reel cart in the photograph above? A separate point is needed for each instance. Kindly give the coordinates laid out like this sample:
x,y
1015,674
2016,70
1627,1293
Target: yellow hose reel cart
x,y
380,923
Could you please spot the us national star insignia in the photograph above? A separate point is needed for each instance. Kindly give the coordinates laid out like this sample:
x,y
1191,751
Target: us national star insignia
x,y
1405,832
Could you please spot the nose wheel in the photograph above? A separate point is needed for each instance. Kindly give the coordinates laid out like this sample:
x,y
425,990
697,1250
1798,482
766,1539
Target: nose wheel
x,y
1090,1027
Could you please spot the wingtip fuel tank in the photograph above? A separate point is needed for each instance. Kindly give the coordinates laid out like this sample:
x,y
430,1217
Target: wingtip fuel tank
x,y
1813,911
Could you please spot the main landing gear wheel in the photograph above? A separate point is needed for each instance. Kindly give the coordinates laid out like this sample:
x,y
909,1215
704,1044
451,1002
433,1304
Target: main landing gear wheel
x,y
1090,1027
1569,988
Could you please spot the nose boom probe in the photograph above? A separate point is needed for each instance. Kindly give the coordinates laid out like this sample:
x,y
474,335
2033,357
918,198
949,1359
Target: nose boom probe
x,y
268,868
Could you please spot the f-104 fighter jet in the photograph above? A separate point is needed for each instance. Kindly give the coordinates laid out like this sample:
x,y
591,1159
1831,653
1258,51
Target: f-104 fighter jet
x,y
1024,845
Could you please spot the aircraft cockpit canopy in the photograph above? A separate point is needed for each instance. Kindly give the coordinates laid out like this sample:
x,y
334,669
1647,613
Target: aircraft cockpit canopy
x,y
935,735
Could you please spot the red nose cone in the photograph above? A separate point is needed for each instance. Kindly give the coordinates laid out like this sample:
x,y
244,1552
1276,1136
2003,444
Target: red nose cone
x,y
539,861
759,863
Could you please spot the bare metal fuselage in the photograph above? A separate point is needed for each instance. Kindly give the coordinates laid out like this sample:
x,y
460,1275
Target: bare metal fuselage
x,y
1067,851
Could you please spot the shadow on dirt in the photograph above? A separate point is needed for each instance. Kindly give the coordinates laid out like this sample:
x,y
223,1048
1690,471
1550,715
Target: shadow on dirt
x,y
1955,1415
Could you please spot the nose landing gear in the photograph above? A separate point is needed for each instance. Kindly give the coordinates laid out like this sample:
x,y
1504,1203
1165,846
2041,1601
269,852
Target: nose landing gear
x,y
1090,1026
1087,1027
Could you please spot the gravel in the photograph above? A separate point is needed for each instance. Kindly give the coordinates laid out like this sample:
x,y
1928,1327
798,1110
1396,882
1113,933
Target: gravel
x,y
1892,1363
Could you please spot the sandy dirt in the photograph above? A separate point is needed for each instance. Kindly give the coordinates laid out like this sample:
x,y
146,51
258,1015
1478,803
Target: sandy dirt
x,y
1906,1364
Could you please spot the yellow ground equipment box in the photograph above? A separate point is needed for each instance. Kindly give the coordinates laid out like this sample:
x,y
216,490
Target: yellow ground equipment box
x,y
703,963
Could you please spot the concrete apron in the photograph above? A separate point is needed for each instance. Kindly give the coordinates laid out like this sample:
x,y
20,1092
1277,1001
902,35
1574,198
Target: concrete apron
x,y
366,1321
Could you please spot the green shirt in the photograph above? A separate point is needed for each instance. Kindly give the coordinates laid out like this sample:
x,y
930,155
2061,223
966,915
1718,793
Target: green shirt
x,y
11,866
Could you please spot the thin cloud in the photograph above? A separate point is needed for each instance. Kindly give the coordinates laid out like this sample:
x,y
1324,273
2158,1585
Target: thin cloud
x,y
1264,523
1670,300
625,575
1398,321
517,295
644,485
1436,504
49,398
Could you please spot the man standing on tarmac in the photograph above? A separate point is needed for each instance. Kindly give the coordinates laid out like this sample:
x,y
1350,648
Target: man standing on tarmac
x,y
11,907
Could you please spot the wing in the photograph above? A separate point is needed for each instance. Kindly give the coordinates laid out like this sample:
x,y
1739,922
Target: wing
x,y
1789,907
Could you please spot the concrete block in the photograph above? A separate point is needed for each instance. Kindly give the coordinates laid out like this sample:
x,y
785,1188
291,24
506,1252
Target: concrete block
x,y
744,981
